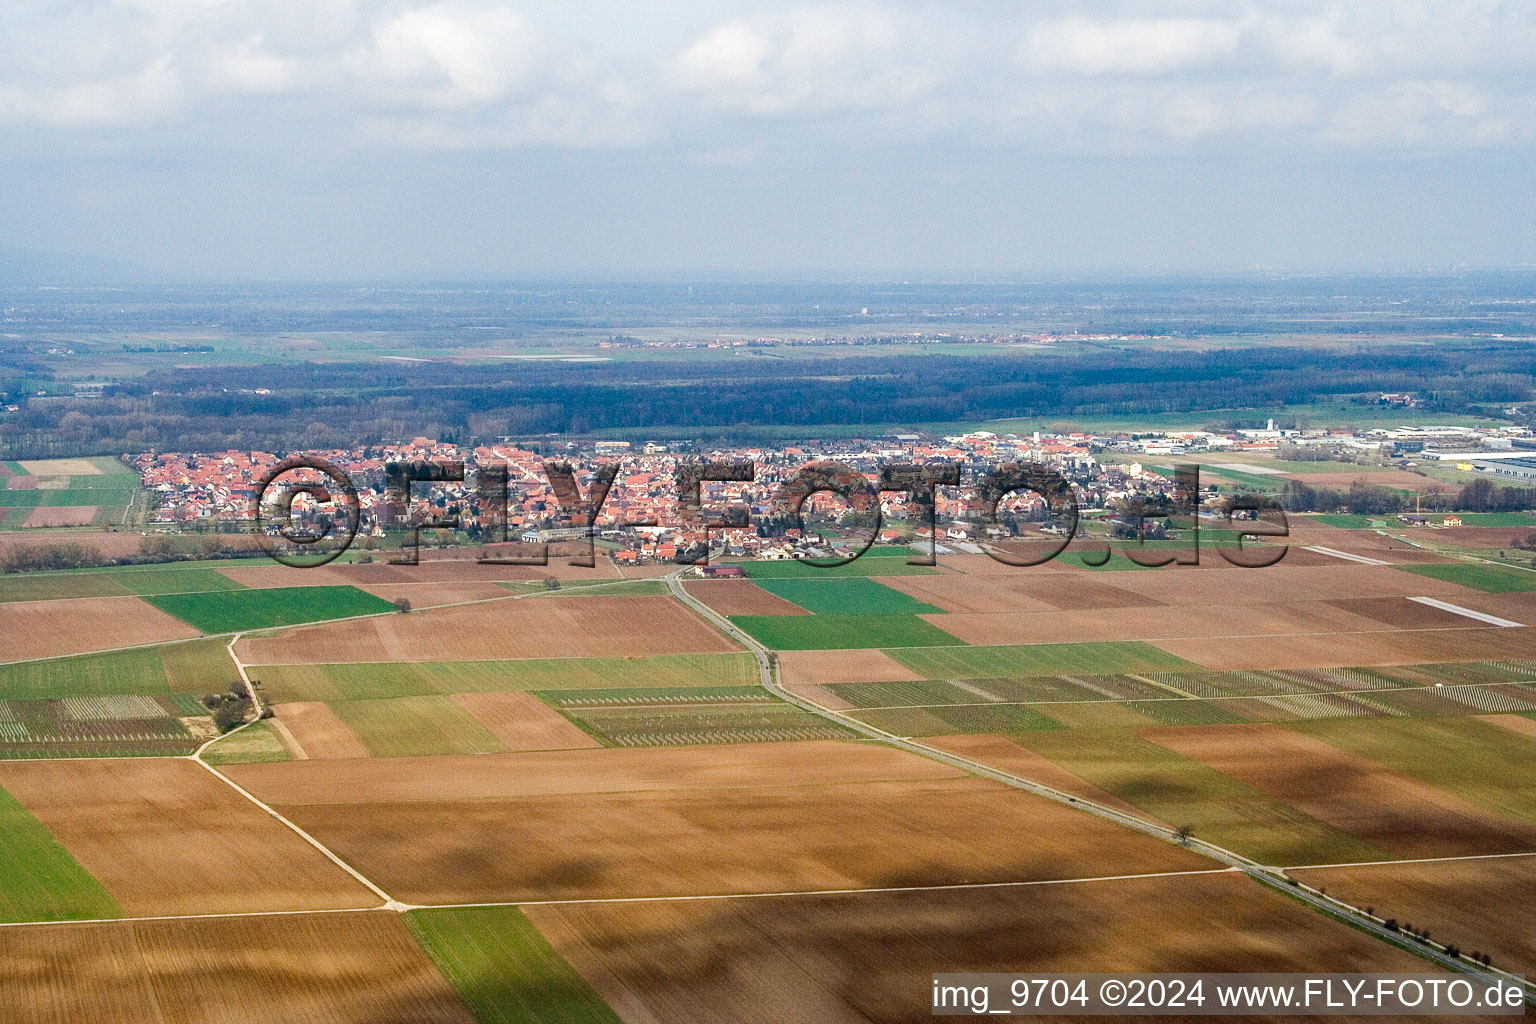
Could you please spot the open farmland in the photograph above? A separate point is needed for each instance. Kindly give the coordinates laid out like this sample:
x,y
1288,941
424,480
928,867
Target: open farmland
x,y
1181,790
660,718
864,566
811,667
416,726
41,881
503,969
132,725
328,682
231,611
846,596
1036,659
834,632
314,730
167,837
1394,812
46,629
361,968
142,581
851,958
741,597
758,817
585,627
1468,902
257,742
195,667
521,721
1494,579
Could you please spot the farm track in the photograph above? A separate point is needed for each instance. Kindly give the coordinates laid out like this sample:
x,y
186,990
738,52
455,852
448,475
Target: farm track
x,y
1274,878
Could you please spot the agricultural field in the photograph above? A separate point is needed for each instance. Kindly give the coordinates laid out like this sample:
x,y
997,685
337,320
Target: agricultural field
x,y
166,836
132,725
503,969
1036,659
573,627
833,632
256,743
676,717
846,596
343,968
1492,579
416,727
867,565
849,959
1466,902
333,682
236,610
47,629
194,667
752,817
41,881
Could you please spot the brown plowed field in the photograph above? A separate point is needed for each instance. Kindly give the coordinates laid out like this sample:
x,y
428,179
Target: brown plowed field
x,y
549,627
992,594
1227,619
60,467
430,595
166,837
463,570
318,731
315,968
1386,647
1002,753
1477,904
43,629
60,515
1399,814
860,666
1338,580
614,770
113,545
820,695
264,575
986,565
1401,613
742,597
523,722
21,483
752,839
1399,478
853,958
1481,536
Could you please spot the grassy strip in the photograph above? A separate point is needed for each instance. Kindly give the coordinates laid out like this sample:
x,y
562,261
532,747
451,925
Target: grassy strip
x,y
503,969
1492,579
41,880
1037,659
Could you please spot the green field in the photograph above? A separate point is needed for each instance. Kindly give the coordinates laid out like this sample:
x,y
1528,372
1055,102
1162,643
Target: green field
x,y
41,880
1351,521
503,969
842,632
54,498
1497,519
1180,790
416,727
788,569
1494,579
1036,659
338,682
238,610
255,743
968,718
671,725
1478,760
196,667
56,586
847,596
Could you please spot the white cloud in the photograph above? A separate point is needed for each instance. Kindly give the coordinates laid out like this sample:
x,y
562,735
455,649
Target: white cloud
x,y
1134,47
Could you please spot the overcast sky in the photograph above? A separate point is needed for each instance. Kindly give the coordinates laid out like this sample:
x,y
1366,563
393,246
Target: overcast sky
x,y
332,139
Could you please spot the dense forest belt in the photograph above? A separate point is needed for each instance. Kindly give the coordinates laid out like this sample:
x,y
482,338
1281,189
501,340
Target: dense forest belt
x,y
313,404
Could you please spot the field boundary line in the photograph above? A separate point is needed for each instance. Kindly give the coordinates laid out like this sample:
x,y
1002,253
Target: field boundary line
x,y
389,901
1272,878
1414,860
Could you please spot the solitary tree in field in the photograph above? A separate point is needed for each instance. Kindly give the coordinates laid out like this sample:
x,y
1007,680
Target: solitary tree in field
x,y
402,605
1183,834
551,584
